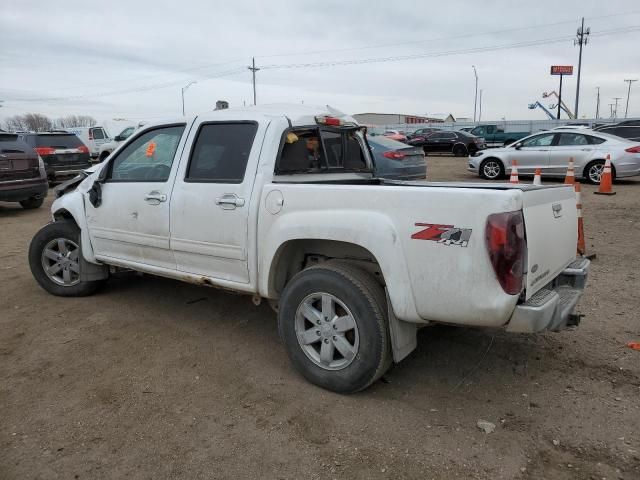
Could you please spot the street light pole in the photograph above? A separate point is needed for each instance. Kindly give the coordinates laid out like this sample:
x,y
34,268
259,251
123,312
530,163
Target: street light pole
x,y
475,100
630,81
582,38
598,102
184,89
480,109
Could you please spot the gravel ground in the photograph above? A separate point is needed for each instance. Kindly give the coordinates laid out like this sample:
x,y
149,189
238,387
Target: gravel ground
x,y
153,378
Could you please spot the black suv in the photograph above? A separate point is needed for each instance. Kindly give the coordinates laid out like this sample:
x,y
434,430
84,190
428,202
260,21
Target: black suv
x,y
22,173
63,153
629,129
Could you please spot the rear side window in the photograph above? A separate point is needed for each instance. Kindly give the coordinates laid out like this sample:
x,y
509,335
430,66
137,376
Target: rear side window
x,y
567,139
58,141
221,152
595,140
98,134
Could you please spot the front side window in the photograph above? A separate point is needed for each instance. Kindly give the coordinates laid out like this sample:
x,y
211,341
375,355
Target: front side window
x,y
449,136
221,152
98,133
149,157
539,140
567,139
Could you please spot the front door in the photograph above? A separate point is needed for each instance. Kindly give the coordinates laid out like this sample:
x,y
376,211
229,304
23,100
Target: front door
x,y
533,153
211,202
132,222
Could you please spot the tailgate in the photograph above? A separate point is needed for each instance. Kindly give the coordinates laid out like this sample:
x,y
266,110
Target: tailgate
x,y
551,225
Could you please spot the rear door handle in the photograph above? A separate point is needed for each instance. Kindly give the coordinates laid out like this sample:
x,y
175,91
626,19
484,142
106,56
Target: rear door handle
x,y
155,197
229,201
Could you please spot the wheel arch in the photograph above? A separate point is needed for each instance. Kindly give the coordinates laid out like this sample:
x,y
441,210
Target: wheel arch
x,y
70,207
366,239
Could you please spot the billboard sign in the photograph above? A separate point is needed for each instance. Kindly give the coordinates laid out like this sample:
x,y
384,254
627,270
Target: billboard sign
x,y
561,69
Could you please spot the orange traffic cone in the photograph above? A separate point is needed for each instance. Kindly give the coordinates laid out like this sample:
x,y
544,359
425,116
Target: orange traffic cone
x,y
570,179
605,179
514,172
537,178
581,248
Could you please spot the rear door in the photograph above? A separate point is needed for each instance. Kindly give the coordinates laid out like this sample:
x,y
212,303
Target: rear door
x,y
534,153
211,201
569,145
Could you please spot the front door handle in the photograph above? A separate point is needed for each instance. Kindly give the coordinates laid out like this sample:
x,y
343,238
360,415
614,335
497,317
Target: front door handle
x,y
229,201
155,197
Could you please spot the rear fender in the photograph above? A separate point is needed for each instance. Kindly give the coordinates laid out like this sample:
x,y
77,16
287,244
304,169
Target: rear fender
x,y
370,230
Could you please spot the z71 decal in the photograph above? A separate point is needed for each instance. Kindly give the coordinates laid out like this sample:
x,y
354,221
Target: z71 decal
x,y
445,234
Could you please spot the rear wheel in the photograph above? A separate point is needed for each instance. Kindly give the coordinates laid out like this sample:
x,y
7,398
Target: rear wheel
x,y
55,260
32,202
491,169
459,151
593,171
333,322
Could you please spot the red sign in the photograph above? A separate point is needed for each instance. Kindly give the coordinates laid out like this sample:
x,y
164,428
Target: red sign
x,y
561,69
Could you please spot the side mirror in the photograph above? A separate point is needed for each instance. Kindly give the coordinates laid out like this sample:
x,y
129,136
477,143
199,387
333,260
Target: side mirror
x,y
118,138
517,146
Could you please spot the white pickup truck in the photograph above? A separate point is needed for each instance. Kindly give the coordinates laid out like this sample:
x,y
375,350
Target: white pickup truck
x,y
280,203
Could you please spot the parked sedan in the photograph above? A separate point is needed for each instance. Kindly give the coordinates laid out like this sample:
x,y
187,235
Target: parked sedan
x,y
459,143
551,151
396,160
63,153
22,174
423,132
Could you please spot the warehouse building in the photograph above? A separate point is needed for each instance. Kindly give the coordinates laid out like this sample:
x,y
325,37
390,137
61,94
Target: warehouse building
x,y
392,119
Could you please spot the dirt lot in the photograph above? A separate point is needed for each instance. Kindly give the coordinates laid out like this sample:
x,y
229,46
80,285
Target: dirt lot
x,y
156,379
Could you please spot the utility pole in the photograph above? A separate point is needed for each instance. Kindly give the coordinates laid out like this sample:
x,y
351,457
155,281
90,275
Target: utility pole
x,y
615,109
630,81
597,102
480,110
475,100
611,107
253,71
184,89
582,38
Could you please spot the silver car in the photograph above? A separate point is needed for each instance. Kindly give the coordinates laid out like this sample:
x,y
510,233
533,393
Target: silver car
x,y
550,152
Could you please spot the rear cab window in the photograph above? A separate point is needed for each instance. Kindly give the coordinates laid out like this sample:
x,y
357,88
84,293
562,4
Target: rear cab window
x,y
322,150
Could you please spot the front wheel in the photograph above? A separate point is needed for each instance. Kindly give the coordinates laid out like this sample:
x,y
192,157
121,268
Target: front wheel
x,y
333,322
491,169
55,260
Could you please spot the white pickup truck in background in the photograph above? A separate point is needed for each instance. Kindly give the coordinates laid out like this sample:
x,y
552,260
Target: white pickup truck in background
x,y
279,202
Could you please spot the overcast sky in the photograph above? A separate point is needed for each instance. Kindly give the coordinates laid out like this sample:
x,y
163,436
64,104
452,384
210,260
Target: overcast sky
x,y
120,59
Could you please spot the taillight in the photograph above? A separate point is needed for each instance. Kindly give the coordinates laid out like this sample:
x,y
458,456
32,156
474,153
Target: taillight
x,y
45,150
506,245
393,155
83,149
635,149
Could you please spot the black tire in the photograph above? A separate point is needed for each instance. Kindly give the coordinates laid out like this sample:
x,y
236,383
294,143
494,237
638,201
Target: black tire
x,y
365,299
499,165
589,176
67,230
31,203
459,151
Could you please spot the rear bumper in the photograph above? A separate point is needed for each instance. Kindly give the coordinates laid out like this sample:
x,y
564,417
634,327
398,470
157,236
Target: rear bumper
x,y
62,172
553,307
16,192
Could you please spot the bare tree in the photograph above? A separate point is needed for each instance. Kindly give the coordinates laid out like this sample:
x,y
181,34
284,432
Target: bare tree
x,y
15,123
71,121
